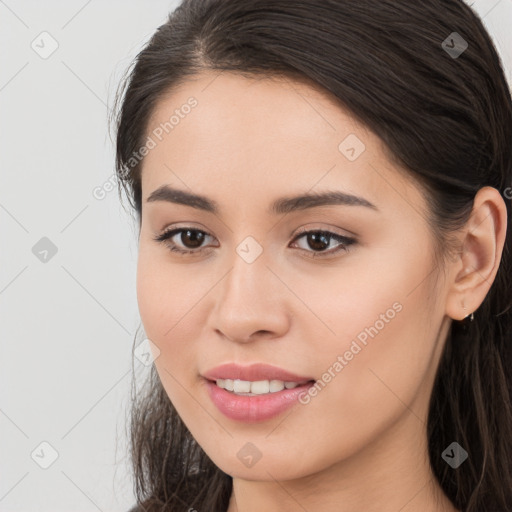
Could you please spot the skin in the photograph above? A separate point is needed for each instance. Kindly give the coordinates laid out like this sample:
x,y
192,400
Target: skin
x,y
360,443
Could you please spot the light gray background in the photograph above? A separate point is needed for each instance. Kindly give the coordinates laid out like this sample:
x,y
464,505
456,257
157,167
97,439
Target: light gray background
x,y
67,324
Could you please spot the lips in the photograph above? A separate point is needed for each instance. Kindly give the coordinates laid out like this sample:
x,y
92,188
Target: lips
x,y
254,372
249,407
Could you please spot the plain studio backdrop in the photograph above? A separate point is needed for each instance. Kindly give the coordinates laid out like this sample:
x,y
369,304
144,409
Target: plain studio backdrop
x,y
68,259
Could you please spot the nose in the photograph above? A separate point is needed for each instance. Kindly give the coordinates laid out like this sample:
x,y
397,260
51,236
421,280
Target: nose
x,y
251,303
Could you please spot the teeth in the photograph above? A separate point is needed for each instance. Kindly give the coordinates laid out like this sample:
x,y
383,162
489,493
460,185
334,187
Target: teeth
x,y
259,387
277,385
241,386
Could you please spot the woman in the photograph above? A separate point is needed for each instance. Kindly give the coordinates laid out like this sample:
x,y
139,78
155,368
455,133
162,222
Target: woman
x,y
323,191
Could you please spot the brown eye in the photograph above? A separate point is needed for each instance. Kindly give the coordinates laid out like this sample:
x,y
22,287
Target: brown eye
x,y
189,240
319,241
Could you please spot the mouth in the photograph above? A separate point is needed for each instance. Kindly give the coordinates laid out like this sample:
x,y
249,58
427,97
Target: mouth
x,y
255,392
255,401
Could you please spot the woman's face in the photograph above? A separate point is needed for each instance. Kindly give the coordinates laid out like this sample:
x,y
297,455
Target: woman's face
x,y
354,305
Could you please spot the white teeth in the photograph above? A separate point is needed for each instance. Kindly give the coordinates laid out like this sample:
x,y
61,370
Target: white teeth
x,y
259,387
241,386
277,385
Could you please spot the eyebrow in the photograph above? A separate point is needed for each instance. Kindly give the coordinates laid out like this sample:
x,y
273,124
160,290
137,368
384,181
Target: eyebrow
x,y
280,206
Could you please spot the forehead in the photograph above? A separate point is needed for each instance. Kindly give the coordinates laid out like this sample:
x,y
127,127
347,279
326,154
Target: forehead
x,y
224,132
256,112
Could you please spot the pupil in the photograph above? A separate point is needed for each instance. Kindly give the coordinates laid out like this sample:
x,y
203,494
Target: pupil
x,y
313,239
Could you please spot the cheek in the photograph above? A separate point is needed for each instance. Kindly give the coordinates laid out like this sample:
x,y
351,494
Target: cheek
x,y
163,314
365,298
161,308
151,296
376,310
382,355
166,294
171,302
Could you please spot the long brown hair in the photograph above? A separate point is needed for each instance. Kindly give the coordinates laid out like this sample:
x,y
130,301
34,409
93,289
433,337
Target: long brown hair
x,y
444,117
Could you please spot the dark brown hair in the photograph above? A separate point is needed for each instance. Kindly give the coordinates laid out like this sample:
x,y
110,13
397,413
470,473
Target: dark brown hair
x,y
445,118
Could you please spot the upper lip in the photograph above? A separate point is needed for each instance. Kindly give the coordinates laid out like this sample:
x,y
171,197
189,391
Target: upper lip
x,y
253,372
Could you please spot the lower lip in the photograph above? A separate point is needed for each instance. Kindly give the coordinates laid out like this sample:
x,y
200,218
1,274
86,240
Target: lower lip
x,y
257,407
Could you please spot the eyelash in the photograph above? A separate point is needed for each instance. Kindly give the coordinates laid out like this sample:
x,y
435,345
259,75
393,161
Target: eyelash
x,y
345,241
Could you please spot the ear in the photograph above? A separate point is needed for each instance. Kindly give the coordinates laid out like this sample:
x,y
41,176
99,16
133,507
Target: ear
x,y
476,266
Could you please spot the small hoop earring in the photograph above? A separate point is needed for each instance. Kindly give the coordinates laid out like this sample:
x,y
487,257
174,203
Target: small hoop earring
x,y
472,317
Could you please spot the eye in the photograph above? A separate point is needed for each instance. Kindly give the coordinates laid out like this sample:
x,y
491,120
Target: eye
x,y
320,241
190,237
192,240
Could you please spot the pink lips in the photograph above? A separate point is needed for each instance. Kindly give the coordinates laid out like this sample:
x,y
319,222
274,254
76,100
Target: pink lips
x,y
254,408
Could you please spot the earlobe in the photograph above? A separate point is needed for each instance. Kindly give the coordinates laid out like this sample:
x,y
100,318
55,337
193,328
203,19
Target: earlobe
x,y
482,244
